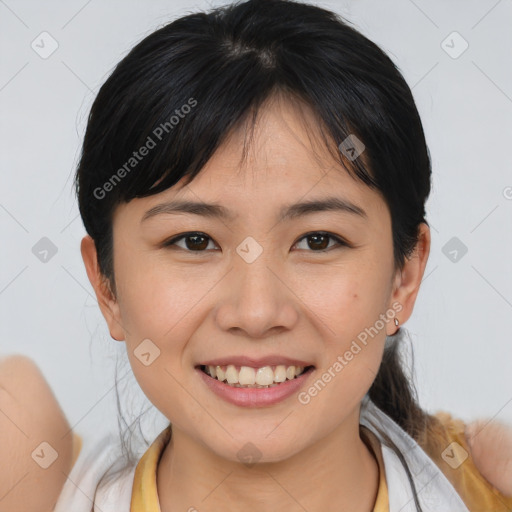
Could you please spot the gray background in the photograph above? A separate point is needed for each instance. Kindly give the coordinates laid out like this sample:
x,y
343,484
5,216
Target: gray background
x,y
461,324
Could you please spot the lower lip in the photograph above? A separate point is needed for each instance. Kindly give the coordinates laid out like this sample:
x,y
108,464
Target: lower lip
x,y
255,397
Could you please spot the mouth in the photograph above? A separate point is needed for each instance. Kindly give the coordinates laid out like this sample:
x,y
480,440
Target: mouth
x,y
255,378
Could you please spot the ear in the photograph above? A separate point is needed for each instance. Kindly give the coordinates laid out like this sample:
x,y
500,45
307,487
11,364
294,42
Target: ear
x,y
408,280
106,299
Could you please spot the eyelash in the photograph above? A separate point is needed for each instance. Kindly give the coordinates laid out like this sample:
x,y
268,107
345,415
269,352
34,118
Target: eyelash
x,y
340,241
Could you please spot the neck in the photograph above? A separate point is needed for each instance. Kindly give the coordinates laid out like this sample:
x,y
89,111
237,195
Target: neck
x,y
337,472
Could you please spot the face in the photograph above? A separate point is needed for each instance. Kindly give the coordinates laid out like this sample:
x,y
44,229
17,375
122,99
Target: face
x,y
316,287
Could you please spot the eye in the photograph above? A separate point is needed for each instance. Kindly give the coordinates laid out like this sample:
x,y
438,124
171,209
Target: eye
x,y
195,241
320,241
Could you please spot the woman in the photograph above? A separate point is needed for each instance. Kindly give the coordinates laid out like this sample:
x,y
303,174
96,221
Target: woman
x,y
253,184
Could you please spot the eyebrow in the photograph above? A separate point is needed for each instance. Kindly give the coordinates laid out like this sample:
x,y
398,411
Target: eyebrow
x,y
214,210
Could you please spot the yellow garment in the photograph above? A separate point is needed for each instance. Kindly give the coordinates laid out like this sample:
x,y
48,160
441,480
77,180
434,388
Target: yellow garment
x,y
144,492
77,446
382,499
476,492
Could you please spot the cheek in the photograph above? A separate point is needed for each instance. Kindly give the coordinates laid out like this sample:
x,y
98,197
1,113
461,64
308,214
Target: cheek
x,y
346,305
346,299
156,299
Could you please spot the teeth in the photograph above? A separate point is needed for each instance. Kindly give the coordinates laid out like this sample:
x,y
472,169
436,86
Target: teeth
x,y
219,373
280,373
264,376
231,374
247,376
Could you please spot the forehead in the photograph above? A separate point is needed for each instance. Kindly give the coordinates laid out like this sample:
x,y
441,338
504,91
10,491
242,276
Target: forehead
x,y
282,141
280,159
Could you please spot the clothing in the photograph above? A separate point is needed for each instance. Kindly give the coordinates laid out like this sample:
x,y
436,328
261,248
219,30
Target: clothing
x,y
440,487
382,499
81,490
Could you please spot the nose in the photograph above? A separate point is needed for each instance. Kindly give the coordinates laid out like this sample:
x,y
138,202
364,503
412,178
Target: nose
x,y
256,299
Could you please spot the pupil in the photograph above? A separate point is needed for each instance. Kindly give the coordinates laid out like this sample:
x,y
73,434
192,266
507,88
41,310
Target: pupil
x,y
195,245
324,245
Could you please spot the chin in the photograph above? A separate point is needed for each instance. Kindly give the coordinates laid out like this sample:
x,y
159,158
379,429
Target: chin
x,y
254,450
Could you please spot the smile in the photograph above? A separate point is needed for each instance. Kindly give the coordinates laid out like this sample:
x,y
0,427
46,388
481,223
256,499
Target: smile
x,y
247,376
254,387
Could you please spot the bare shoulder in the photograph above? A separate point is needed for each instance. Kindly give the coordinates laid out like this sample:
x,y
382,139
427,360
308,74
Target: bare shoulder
x,y
490,443
36,445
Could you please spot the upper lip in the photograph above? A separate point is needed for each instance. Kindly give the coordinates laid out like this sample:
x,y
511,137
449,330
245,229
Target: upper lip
x,y
272,360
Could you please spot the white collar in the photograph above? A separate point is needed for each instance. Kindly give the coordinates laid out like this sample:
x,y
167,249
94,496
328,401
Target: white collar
x,y
435,492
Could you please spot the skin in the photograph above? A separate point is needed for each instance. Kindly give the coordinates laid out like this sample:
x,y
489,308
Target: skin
x,y
291,300
490,443
29,416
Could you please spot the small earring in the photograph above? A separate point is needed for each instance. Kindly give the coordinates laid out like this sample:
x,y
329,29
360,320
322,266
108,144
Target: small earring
x,y
396,323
